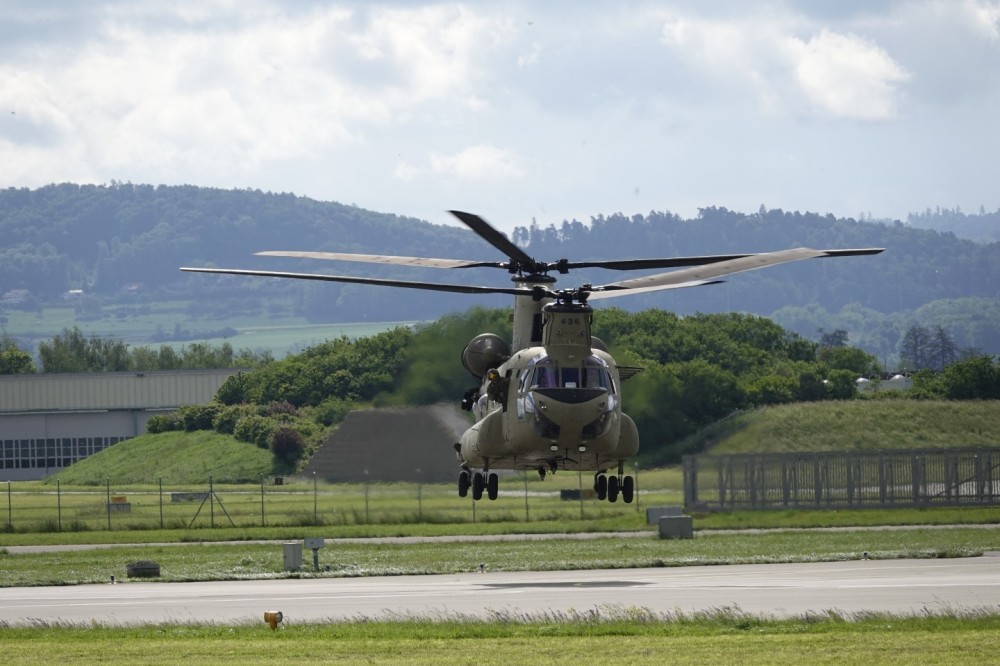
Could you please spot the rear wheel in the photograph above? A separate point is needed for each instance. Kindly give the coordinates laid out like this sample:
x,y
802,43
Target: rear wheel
x,y
478,482
492,486
628,489
463,483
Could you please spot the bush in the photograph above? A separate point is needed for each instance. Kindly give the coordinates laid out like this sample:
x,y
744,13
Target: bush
x,y
227,417
164,423
281,408
199,417
333,410
287,444
254,429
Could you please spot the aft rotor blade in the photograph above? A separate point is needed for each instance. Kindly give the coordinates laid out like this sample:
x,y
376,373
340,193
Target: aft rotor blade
x,y
405,284
426,262
494,237
642,264
699,275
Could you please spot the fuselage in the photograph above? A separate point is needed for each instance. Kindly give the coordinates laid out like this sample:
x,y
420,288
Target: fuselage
x,y
555,405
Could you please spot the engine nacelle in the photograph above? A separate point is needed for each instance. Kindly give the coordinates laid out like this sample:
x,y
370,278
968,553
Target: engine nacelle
x,y
597,343
485,351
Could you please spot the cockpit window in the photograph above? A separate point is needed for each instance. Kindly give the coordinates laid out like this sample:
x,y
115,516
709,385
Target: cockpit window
x,y
595,373
544,373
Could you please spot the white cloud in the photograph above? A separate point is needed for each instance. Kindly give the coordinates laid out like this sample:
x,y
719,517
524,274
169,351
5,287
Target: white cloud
x,y
516,109
848,77
478,163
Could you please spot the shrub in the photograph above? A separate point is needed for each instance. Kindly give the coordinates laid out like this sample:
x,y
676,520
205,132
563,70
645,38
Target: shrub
x,y
281,408
199,417
164,423
254,429
287,444
333,410
226,418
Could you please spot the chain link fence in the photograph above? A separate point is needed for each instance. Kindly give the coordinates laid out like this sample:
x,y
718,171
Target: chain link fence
x,y
831,480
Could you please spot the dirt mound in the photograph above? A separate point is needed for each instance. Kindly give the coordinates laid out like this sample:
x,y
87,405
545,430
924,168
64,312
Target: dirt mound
x,y
392,444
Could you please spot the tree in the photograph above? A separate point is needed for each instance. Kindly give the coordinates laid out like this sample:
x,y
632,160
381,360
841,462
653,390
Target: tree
x,y
71,351
914,350
974,379
941,348
13,359
837,338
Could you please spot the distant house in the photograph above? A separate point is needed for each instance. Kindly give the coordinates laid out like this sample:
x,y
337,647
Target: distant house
x,y
14,297
73,294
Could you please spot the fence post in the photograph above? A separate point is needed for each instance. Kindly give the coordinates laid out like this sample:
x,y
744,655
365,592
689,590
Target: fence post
x,y
262,523
316,500
420,498
526,518
211,501
161,502
58,506
10,510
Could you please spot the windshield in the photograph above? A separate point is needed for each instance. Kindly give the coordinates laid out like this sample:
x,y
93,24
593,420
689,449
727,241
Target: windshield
x,y
545,373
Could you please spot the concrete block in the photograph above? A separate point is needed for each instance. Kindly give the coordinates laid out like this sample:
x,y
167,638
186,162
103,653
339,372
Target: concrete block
x,y
654,513
676,527
293,556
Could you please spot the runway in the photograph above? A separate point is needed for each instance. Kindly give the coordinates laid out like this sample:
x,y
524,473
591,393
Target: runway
x,y
898,586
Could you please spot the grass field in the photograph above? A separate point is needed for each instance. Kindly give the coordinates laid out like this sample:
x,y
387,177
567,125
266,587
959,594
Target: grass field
x,y
625,636
252,560
856,425
137,325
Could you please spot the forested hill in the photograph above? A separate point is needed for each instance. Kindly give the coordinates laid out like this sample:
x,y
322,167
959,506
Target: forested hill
x,y
121,239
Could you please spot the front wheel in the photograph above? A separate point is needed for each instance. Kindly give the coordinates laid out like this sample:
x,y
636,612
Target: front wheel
x,y
463,483
601,486
613,489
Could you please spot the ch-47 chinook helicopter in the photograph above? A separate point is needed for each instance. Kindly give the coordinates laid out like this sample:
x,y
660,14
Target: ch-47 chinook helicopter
x,y
551,399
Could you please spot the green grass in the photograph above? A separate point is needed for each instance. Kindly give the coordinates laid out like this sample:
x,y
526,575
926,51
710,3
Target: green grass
x,y
625,636
137,323
858,425
362,558
174,457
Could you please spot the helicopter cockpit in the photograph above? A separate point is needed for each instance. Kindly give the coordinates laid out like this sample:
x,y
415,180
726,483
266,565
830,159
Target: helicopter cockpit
x,y
544,372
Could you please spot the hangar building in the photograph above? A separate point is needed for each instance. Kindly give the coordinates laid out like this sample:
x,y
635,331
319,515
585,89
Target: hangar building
x,y
49,421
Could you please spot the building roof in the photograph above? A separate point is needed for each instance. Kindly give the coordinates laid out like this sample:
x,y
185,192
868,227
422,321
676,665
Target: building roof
x,y
162,389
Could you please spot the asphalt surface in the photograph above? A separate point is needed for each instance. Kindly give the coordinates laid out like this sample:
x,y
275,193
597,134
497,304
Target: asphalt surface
x,y
781,590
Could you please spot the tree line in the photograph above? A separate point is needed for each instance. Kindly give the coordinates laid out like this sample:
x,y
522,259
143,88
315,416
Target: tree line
x,y
73,351
126,241
697,370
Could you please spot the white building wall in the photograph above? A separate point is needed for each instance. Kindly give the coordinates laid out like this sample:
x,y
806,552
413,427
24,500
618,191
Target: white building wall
x,y
47,422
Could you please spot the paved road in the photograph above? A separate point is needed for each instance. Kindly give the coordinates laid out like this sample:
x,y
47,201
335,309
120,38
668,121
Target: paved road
x,y
899,586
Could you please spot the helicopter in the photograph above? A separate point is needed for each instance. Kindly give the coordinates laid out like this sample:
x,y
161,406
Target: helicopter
x,y
550,399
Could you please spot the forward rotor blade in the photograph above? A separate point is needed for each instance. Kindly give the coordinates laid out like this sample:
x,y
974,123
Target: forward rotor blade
x,y
426,262
700,275
406,284
494,237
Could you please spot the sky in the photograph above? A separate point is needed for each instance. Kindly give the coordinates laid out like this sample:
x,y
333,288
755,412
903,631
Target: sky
x,y
518,111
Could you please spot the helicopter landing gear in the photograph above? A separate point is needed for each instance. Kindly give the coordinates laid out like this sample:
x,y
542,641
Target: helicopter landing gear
x,y
611,487
480,482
